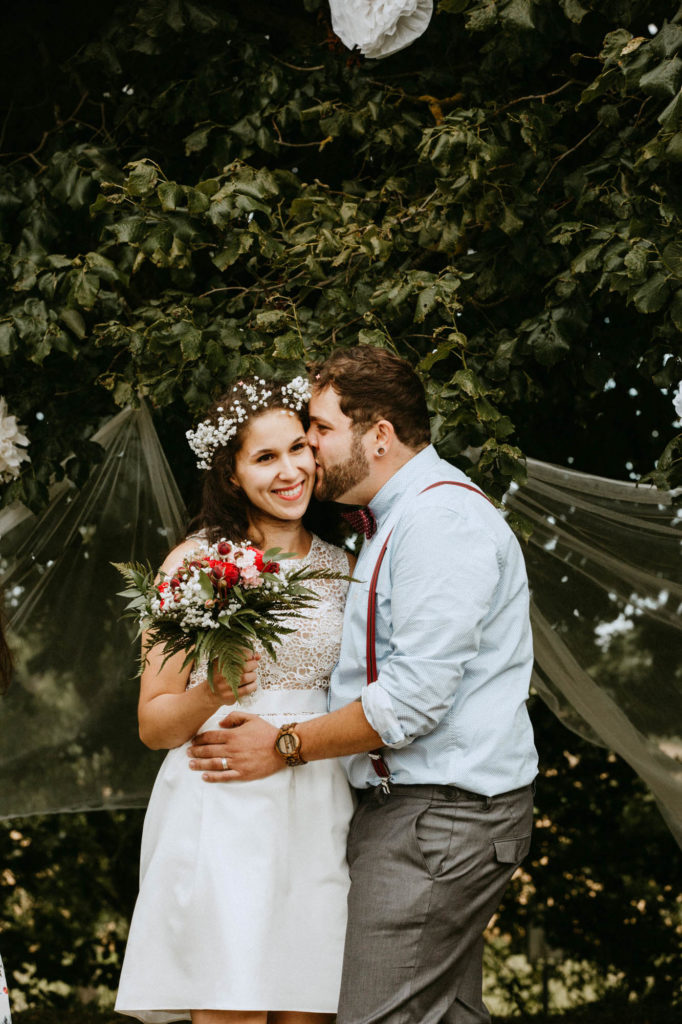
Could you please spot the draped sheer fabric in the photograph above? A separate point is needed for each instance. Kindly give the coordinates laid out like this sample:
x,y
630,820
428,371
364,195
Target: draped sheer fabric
x,y
69,734
606,583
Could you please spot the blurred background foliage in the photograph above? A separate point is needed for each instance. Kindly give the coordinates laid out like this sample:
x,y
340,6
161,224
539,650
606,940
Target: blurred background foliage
x,y
193,191
593,916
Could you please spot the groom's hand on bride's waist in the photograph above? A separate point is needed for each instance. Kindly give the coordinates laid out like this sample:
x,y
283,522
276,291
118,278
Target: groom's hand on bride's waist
x,y
243,749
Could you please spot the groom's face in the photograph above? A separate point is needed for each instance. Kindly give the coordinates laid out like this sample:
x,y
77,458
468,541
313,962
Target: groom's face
x,y
343,469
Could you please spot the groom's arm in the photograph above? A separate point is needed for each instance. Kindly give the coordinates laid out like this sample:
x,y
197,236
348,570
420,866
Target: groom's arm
x,y
248,743
441,592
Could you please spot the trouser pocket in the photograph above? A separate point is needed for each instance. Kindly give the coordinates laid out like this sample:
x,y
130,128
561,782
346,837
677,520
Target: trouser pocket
x,y
512,850
433,831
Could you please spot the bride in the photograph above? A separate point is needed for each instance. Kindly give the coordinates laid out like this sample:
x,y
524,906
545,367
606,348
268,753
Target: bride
x,y
241,913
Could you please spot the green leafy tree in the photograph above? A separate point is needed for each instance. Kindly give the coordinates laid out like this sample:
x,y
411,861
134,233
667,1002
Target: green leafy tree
x,y
499,203
67,888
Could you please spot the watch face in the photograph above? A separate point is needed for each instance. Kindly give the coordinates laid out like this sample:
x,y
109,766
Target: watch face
x,y
287,743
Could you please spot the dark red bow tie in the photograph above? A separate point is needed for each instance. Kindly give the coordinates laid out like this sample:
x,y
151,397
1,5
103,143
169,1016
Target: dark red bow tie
x,y
362,520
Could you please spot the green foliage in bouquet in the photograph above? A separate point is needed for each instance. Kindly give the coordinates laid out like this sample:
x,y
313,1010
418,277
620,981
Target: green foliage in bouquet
x,y
228,610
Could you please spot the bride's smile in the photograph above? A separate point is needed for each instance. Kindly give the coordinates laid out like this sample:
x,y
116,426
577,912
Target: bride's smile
x,y
290,493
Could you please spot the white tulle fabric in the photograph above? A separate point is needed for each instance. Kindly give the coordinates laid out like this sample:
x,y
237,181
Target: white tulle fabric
x,y
243,886
603,563
379,28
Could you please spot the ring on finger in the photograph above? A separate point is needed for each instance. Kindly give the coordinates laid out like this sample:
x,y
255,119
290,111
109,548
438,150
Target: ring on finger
x,y
223,761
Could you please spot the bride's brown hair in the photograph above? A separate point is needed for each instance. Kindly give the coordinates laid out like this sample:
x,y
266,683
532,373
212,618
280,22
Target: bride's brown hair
x,y
224,505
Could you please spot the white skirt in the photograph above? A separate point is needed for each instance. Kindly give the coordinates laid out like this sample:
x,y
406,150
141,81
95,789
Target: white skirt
x,y
243,885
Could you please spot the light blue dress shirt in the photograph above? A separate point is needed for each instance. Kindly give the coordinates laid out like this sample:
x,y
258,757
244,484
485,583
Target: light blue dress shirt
x,y
453,640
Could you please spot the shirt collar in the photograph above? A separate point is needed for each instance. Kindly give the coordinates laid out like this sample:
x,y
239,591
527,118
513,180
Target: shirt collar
x,y
383,501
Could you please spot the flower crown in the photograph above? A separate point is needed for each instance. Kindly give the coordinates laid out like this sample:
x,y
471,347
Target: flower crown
x,y
209,436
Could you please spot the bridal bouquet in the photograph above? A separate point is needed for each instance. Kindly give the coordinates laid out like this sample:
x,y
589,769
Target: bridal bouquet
x,y
216,604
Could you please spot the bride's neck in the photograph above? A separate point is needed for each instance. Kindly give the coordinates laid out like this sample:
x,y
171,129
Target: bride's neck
x,y
277,533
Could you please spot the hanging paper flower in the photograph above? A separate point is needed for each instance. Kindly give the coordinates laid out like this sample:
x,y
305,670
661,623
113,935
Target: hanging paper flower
x,y
11,455
677,400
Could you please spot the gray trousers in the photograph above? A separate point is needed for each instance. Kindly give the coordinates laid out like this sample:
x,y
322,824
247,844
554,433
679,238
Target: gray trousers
x,y
428,866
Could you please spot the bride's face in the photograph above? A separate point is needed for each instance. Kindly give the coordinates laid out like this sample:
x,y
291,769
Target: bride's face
x,y
275,466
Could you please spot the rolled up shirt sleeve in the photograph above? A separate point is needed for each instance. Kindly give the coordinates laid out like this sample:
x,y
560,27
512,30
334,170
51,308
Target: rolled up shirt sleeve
x,y
444,572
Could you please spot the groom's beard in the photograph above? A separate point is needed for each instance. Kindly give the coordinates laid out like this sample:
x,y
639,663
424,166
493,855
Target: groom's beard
x,y
339,479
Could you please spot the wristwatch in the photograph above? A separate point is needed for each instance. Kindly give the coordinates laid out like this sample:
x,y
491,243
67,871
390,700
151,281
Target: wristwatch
x,y
288,745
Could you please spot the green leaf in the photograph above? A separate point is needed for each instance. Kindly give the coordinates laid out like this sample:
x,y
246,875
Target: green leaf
x,y
651,296
548,342
197,201
573,10
663,80
201,18
442,351
271,320
674,148
636,261
518,13
171,195
101,266
239,243
74,321
142,178
372,337
8,338
206,585
510,223
426,303
198,139
672,258
289,346
469,383
676,309
614,43
671,117
86,289
192,342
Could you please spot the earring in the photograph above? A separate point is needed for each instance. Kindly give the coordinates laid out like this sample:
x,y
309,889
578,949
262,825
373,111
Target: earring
x,y
381,451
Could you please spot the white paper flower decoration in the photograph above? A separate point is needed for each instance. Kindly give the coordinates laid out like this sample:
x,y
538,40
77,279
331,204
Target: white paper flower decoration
x,y
677,401
11,438
380,27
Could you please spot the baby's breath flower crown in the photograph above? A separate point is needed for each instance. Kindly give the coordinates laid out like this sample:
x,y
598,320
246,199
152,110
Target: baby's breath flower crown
x,y
247,398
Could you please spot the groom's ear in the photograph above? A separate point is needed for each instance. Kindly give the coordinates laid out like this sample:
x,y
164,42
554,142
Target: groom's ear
x,y
383,436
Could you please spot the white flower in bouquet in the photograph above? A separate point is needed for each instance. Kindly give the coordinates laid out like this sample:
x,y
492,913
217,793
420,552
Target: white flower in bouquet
x,y
677,401
11,438
217,603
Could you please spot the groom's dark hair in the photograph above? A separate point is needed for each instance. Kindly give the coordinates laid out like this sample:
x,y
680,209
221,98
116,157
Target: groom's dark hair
x,y
373,384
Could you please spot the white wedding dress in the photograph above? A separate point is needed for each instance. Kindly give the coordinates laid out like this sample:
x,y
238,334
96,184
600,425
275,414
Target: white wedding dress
x,y
243,885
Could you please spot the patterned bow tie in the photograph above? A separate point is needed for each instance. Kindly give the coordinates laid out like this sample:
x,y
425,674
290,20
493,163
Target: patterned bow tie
x,y
362,520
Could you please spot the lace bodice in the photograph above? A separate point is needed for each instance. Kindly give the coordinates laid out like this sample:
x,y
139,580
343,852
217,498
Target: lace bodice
x,y
306,657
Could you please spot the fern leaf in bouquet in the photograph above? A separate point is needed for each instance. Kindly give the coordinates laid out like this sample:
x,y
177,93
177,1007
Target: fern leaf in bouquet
x,y
217,604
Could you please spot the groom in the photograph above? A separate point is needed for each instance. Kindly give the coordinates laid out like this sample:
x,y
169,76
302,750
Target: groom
x,y
446,795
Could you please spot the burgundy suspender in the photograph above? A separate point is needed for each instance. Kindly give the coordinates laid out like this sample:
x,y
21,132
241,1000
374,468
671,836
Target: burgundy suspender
x,y
378,763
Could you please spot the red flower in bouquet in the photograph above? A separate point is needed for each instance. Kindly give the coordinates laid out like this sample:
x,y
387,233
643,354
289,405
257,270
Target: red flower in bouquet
x,y
215,606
